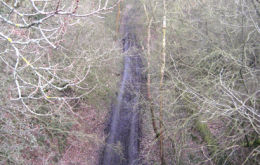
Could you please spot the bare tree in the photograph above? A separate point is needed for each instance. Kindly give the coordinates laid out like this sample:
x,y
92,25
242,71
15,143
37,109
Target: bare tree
x,y
49,61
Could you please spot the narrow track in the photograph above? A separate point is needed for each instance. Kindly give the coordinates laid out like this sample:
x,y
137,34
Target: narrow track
x,y
122,145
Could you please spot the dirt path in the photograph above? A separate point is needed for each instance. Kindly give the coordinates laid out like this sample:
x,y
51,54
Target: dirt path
x,y
122,146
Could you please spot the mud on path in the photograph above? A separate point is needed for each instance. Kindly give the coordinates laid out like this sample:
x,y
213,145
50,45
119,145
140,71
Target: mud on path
x,y
122,144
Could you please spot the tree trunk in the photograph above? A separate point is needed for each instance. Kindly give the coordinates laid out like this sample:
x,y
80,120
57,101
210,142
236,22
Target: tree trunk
x,y
161,84
148,84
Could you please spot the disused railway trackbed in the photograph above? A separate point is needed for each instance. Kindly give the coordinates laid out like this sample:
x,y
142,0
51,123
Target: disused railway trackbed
x,y
122,144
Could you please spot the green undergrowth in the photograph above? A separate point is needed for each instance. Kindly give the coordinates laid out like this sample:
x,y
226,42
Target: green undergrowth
x,y
207,136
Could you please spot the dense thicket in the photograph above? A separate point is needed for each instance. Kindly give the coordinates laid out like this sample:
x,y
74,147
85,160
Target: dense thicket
x,y
211,83
56,62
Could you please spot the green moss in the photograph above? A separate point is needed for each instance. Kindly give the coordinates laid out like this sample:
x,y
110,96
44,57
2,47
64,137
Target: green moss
x,y
41,140
257,142
206,135
253,143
